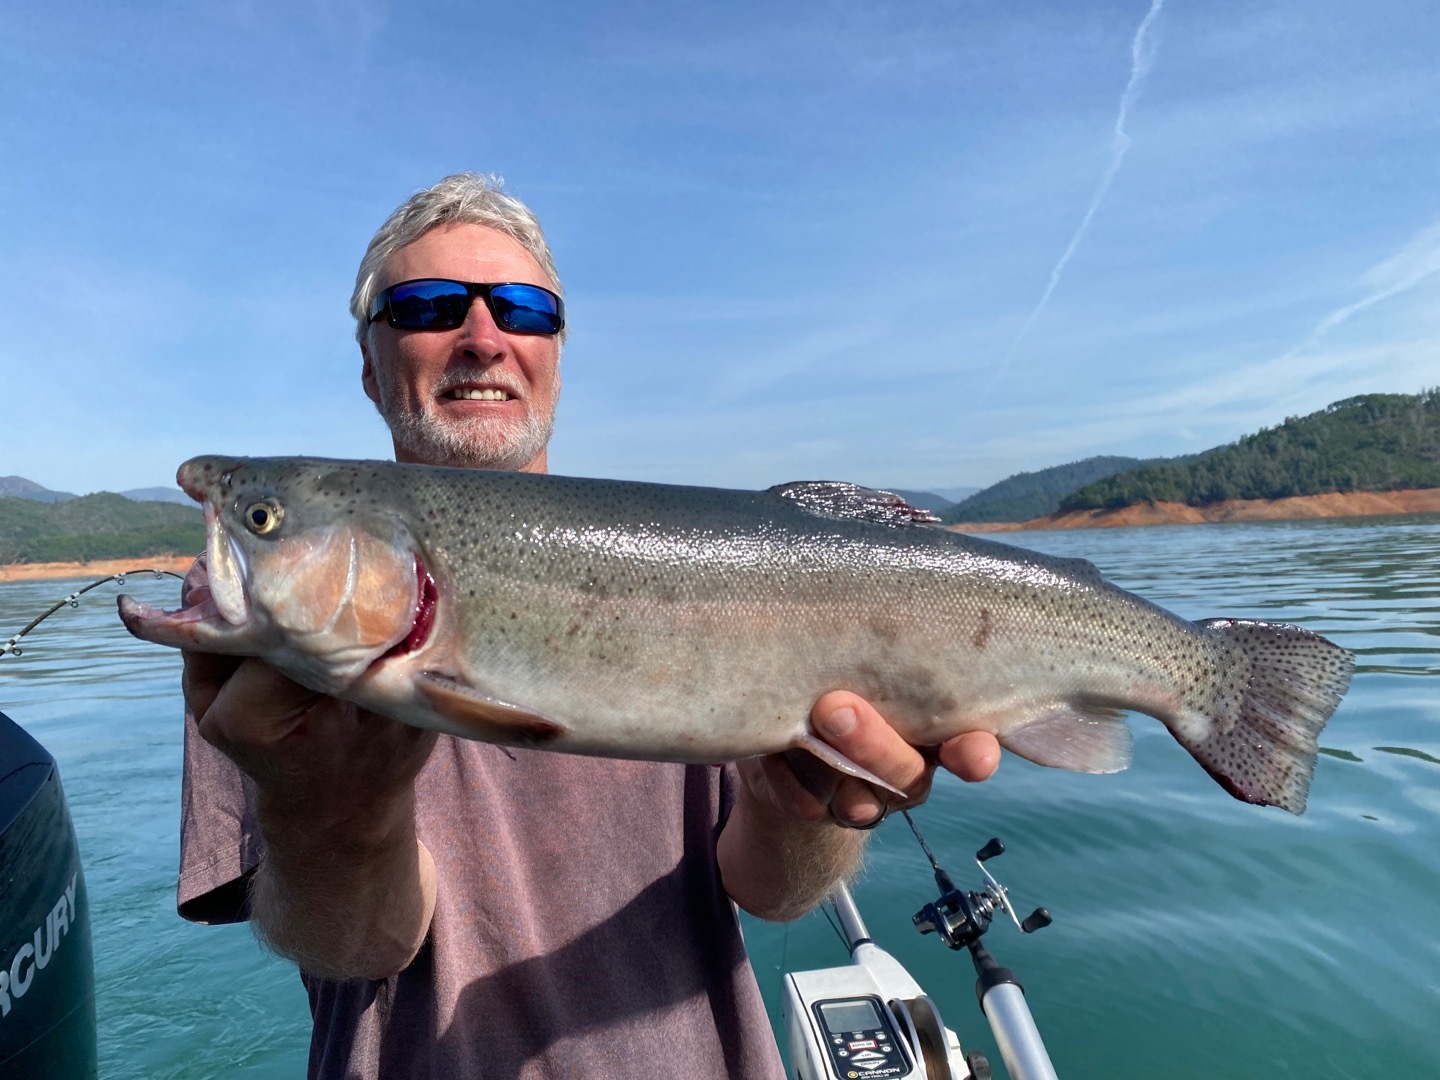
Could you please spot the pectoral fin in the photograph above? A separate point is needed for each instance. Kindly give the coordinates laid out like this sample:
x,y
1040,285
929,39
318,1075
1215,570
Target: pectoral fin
x,y
836,760
1083,738
478,716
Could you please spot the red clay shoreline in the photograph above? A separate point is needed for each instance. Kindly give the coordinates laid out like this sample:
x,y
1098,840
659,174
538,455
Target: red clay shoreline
x,y
98,568
1299,507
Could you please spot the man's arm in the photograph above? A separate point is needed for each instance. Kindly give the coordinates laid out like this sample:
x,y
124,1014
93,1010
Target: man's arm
x,y
345,888
784,847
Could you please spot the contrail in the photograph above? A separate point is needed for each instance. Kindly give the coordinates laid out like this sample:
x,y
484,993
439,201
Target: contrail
x,y
1407,268
1142,57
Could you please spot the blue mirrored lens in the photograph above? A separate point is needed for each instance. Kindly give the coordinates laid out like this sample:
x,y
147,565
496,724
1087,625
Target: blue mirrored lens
x,y
429,305
441,304
524,309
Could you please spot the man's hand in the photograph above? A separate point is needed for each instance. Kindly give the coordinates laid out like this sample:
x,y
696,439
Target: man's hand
x,y
852,726
346,889
305,751
789,841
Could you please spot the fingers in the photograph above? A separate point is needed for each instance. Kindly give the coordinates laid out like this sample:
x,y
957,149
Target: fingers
x,y
304,749
245,703
973,756
773,784
852,726
203,677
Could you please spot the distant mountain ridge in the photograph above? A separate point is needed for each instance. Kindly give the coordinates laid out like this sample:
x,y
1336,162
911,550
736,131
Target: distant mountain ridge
x,y
21,488
955,494
926,500
1373,442
1028,495
159,494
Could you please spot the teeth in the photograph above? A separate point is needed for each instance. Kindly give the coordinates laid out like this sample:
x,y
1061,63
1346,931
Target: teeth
x,y
471,394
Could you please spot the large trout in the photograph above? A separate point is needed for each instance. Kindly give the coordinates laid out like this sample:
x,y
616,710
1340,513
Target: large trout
x,y
698,624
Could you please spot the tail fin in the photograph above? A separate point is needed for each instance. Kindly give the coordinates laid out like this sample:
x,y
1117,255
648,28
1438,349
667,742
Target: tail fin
x,y
1292,684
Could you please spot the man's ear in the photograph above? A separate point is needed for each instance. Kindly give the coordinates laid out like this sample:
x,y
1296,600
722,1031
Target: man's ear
x,y
367,372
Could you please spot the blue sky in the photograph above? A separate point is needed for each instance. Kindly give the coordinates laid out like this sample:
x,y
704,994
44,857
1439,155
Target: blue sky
x,y
798,241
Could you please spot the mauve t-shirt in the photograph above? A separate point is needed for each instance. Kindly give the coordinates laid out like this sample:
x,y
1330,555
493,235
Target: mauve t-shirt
x,y
580,929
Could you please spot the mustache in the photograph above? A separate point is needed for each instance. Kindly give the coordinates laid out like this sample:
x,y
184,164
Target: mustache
x,y
469,375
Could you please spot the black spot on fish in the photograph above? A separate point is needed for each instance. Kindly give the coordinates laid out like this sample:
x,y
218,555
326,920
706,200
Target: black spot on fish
x,y
982,632
885,628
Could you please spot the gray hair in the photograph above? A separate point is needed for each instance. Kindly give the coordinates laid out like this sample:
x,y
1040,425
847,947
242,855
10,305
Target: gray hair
x,y
466,199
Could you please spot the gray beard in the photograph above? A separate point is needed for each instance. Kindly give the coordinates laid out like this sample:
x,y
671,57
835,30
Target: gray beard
x,y
475,444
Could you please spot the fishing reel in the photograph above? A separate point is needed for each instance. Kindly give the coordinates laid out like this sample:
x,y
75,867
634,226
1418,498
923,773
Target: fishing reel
x,y
962,916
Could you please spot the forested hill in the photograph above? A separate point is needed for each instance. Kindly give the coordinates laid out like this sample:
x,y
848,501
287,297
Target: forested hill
x,y
1031,495
101,526
1375,442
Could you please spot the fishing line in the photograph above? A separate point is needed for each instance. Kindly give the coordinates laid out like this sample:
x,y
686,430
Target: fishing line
x,y
73,600
918,836
784,951
836,927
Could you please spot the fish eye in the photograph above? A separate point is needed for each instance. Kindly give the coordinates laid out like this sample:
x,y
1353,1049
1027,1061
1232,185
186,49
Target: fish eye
x,y
263,518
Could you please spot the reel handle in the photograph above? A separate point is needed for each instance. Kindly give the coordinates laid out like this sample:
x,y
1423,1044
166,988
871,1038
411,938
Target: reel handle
x,y
990,850
1036,920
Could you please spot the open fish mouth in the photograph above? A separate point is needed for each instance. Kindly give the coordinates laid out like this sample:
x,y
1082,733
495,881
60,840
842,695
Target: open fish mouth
x,y
200,622
215,609
201,610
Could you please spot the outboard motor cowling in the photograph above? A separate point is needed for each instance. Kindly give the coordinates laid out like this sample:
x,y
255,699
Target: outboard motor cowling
x,y
47,973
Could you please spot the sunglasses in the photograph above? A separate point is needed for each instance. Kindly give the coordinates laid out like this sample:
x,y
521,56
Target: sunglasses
x,y
441,304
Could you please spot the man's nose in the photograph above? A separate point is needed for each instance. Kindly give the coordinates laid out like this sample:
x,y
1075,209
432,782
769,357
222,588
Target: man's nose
x,y
479,334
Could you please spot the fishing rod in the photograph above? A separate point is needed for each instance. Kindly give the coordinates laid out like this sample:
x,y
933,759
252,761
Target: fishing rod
x,y
871,1020
73,600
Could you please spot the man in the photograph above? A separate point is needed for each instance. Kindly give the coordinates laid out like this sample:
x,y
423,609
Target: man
x,y
461,909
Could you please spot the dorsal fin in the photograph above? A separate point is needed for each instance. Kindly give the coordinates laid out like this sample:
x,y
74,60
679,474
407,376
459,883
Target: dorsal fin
x,y
837,499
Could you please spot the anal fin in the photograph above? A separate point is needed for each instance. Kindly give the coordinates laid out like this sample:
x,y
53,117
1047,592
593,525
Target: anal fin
x,y
476,715
1082,738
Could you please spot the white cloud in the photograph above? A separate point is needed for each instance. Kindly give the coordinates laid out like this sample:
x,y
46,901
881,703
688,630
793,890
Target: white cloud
x,y
1417,261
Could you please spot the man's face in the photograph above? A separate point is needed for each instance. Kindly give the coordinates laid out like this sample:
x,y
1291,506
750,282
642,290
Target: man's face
x,y
476,396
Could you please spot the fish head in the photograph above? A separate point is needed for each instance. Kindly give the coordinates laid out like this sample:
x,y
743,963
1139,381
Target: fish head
x,y
307,566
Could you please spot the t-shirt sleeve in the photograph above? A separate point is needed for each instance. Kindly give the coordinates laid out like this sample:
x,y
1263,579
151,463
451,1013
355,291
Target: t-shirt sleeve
x,y
219,836
220,841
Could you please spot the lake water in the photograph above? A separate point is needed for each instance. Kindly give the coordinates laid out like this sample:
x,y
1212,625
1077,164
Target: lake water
x,y
1194,936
